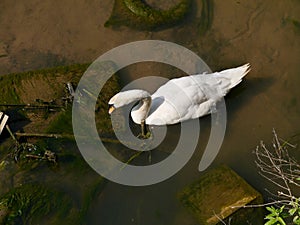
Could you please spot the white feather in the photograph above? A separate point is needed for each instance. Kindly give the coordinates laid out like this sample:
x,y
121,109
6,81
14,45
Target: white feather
x,y
182,98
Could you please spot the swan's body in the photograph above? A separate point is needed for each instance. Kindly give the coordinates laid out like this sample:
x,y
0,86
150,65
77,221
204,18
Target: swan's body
x,y
180,99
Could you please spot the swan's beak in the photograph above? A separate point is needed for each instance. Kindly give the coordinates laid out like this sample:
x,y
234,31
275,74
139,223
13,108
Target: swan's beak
x,y
111,109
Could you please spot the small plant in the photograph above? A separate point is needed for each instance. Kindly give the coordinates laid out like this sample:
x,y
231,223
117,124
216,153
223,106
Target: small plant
x,y
281,169
278,215
275,216
295,210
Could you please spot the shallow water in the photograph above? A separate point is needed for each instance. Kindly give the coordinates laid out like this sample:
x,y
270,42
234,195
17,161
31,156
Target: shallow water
x,y
263,33
257,32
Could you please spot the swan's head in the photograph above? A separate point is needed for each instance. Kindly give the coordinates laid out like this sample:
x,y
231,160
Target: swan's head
x,y
126,97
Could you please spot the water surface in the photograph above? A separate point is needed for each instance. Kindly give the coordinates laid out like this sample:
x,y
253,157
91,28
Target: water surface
x,y
263,33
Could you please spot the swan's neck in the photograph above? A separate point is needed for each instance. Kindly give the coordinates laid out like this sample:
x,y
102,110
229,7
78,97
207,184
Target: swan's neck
x,y
140,112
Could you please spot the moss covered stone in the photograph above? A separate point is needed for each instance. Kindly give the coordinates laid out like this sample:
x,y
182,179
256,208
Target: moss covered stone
x,y
45,84
220,193
50,85
45,193
138,14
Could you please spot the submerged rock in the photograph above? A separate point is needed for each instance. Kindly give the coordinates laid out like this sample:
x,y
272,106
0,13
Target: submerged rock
x,y
49,87
138,14
32,190
220,194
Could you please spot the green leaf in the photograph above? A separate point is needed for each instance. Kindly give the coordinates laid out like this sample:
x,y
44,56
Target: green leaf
x,y
281,209
271,222
272,210
296,220
292,211
270,216
281,221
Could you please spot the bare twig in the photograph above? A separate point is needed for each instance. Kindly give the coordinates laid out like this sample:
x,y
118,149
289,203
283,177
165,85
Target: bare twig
x,y
278,167
261,205
220,219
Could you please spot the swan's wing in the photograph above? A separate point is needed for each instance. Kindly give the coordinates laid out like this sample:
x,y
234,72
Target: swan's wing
x,y
180,99
192,96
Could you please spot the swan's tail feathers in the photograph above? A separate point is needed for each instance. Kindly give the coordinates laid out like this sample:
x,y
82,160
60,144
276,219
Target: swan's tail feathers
x,y
235,75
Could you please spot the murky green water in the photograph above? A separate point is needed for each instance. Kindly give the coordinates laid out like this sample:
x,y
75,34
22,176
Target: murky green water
x,y
263,33
259,32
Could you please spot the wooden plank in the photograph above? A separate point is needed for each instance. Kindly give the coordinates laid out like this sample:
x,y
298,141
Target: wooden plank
x,y
3,121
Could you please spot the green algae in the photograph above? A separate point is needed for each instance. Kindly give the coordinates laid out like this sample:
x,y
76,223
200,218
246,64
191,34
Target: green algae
x,y
139,15
206,16
62,124
20,88
36,204
8,92
294,24
14,84
31,203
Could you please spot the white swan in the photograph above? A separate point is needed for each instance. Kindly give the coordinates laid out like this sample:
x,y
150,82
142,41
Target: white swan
x,y
180,99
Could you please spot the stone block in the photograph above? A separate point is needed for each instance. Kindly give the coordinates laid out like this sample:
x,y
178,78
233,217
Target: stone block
x,y
220,194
